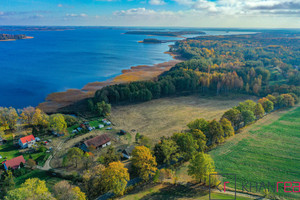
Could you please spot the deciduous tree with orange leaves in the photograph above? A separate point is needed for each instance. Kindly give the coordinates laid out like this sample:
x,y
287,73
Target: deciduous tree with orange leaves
x,y
144,162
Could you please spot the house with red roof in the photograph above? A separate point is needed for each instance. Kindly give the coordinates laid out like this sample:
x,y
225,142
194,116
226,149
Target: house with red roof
x,y
27,141
14,163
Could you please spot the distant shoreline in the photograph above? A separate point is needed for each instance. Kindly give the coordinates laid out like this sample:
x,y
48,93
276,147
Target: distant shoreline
x,y
57,100
9,40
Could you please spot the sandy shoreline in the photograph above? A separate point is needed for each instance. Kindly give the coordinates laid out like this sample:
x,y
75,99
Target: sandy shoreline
x,y
57,100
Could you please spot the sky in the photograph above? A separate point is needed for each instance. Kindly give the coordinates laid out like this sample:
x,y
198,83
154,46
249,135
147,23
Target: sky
x,y
173,13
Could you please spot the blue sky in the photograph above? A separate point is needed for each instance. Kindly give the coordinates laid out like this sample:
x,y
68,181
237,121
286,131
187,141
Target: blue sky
x,y
185,13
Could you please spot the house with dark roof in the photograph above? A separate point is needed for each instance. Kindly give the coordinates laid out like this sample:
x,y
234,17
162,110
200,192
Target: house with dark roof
x,y
14,163
27,141
127,152
97,142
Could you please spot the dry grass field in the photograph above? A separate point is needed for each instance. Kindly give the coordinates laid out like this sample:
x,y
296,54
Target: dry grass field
x,y
163,117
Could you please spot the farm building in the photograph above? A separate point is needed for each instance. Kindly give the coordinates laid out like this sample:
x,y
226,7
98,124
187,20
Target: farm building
x,y
97,142
127,152
27,141
14,163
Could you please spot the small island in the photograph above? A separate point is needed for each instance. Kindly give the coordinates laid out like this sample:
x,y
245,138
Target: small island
x,y
8,37
166,33
151,41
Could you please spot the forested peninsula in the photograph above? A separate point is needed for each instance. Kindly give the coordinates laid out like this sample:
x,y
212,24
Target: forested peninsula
x,y
7,37
251,64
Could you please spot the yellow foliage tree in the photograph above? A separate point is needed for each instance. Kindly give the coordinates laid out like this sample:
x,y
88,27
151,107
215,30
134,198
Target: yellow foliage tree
x,y
27,115
144,162
40,118
57,122
78,194
63,190
115,178
33,189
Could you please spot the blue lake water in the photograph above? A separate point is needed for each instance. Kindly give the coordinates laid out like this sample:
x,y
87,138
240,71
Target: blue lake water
x,y
59,60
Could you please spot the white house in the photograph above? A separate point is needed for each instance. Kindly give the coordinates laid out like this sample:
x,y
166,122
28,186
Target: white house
x,y
27,141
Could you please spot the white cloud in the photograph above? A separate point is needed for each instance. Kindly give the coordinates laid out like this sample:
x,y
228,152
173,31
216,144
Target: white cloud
x,y
135,11
76,15
243,7
157,2
205,5
145,17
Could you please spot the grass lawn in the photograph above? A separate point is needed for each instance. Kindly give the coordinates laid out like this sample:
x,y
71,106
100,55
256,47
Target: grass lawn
x,y
71,128
42,175
267,151
95,123
8,150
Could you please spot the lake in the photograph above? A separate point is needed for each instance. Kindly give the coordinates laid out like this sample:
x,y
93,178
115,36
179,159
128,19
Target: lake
x,y
59,60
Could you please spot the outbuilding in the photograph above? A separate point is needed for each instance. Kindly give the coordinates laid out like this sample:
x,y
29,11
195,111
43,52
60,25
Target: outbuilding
x,y
14,163
128,151
97,142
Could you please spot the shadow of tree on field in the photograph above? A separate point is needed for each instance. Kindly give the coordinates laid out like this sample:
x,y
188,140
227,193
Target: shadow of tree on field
x,y
171,192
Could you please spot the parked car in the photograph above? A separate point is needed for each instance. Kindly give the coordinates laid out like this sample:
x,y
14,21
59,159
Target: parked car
x,y
108,128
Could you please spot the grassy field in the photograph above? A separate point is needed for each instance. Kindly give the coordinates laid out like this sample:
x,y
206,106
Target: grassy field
x,y
267,151
163,117
178,192
186,189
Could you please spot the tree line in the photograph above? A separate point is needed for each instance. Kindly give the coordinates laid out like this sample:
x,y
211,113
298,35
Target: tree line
x,y
35,118
12,37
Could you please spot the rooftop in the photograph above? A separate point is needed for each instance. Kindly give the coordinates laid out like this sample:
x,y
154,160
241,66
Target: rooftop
x,y
27,139
97,141
15,162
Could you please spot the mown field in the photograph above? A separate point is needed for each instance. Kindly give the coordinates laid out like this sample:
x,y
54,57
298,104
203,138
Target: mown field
x,y
165,116
267,151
